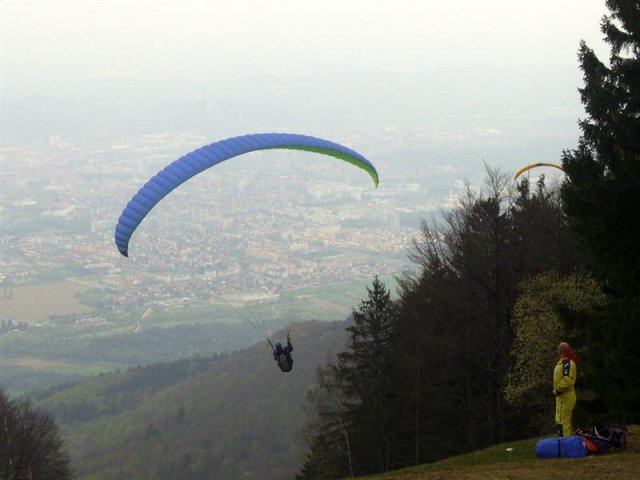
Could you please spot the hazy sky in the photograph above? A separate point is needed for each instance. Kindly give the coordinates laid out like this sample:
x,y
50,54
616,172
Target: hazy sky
x,y
72,40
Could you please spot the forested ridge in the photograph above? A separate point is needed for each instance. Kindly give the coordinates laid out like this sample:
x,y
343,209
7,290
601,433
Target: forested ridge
x,y
228,416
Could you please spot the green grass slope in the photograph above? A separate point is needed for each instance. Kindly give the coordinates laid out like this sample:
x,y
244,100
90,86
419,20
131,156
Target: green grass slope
x,y
517,461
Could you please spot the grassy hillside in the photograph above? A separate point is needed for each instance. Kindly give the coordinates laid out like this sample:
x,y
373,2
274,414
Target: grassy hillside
x,y
236,417
520,463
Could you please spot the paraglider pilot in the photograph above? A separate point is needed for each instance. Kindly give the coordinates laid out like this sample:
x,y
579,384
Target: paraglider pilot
x,y
282,355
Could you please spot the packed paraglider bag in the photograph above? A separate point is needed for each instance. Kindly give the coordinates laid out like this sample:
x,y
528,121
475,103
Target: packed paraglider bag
x,y
561,447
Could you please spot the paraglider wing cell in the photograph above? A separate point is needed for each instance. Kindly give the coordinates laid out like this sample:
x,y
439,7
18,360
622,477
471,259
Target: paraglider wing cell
x,y
206,157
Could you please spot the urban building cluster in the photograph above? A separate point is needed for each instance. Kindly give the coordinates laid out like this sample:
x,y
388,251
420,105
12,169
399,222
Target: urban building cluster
x,y
252,226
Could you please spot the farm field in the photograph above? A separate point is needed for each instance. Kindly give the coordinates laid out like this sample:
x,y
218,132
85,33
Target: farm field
x,y
37,302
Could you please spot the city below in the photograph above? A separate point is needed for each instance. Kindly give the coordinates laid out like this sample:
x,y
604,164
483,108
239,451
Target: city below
x,y
244,231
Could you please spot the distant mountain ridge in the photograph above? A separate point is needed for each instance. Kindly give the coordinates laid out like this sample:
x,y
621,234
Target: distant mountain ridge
x,y
236,416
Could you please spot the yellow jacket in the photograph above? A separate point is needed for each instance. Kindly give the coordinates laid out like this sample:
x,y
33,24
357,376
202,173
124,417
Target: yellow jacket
x,y
564,375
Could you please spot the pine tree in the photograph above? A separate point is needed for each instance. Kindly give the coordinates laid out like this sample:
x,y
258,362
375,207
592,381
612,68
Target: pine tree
x,y
366,370
351,409
328,429
602,201
602,197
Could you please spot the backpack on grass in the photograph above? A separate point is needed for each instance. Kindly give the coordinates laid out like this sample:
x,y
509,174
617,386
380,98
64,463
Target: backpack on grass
x,y
604,438
615,433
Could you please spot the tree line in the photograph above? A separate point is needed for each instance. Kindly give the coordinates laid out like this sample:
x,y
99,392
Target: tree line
x,y
463,358
423,377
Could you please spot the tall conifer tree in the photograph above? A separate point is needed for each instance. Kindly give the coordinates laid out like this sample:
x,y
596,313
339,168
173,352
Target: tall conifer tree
x,y
353,415
366,368
602,200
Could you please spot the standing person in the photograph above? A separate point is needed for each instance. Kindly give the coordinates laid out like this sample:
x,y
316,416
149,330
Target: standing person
x,y
564,379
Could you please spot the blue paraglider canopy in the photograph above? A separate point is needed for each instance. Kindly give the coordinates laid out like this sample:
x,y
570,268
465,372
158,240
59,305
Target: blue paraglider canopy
x,y
205,157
